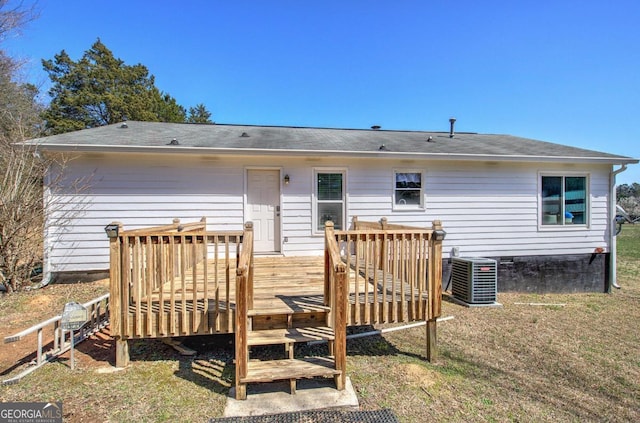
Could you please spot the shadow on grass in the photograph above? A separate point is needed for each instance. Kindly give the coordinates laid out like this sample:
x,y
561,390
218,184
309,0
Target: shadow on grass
x,y
209,373
212,367
375,345
100,347
23,362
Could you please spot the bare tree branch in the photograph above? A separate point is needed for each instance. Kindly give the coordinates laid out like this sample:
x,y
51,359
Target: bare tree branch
x,y
14,19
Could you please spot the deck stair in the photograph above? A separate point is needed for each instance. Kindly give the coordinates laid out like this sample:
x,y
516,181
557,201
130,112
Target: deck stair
x,y
289,318
286,327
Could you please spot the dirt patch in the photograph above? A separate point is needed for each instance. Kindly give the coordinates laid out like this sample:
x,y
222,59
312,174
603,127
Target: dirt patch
x,y
418,375
40,302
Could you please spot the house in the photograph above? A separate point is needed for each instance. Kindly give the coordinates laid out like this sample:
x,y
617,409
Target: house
x,y
544,211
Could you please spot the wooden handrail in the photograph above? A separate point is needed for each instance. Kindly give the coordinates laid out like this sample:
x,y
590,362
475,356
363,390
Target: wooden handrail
x,y
337,288
208,237
332,247
245,263
382,224
175,227
244,302
385,231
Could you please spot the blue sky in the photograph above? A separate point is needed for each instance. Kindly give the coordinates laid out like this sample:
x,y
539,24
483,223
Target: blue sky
x,y
556,70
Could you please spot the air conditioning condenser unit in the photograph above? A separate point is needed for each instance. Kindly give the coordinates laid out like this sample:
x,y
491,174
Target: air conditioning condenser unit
x,y
474,280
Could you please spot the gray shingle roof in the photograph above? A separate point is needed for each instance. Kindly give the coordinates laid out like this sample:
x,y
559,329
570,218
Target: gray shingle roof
x,y
192,138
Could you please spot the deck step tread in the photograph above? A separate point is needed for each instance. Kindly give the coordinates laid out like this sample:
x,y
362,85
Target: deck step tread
x,y
272,370
282,309
289,335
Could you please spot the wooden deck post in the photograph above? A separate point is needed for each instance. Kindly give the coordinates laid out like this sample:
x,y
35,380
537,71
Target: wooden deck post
x,y
340,326
244,295
248,227
242,350
432,341
118,305
115,282
434,309
436,269
122,352
328,296
337,286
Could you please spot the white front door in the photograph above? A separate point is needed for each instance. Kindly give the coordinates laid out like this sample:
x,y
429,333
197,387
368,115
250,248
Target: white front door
x,y
263,206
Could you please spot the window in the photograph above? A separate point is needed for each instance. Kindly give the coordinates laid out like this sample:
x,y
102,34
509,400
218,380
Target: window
x,y
564,200
408,189
329,199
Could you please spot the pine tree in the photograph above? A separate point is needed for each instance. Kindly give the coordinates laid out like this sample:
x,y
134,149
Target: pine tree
x,y
199,114
100,89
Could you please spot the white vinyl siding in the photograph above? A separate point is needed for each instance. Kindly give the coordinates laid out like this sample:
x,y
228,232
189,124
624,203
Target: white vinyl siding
x,y
487,209
496,213
139,193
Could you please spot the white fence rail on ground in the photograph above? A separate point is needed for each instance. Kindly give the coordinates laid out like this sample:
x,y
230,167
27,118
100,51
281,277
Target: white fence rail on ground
x,y
98,318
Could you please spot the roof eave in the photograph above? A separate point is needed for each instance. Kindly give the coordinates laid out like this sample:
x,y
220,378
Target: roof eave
x,y
85,148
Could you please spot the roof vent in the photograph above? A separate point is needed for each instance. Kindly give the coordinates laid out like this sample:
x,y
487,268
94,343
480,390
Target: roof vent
x,y
376,127
452,121
383,148
244,135
174,142
124,125
430,139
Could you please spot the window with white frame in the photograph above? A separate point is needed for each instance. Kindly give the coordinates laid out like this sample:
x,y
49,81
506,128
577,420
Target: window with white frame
x,y
330,198
564,200
408,189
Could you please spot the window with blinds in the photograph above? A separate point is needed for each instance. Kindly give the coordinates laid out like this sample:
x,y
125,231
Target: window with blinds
x,y
330,199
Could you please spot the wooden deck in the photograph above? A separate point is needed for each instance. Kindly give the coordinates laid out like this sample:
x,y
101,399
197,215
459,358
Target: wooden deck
x,y
182,280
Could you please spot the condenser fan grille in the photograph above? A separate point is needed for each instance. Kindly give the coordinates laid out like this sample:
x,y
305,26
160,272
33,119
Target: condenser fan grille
x,y
474,280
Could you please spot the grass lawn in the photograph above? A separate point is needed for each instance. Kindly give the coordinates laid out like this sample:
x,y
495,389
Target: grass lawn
x,y
577,360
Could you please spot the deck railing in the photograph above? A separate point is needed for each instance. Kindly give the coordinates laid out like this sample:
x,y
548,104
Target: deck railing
x,y
178,280
396,271
172,280
336,293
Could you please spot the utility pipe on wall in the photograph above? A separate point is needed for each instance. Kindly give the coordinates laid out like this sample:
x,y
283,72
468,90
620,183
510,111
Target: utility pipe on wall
x,y
613,250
